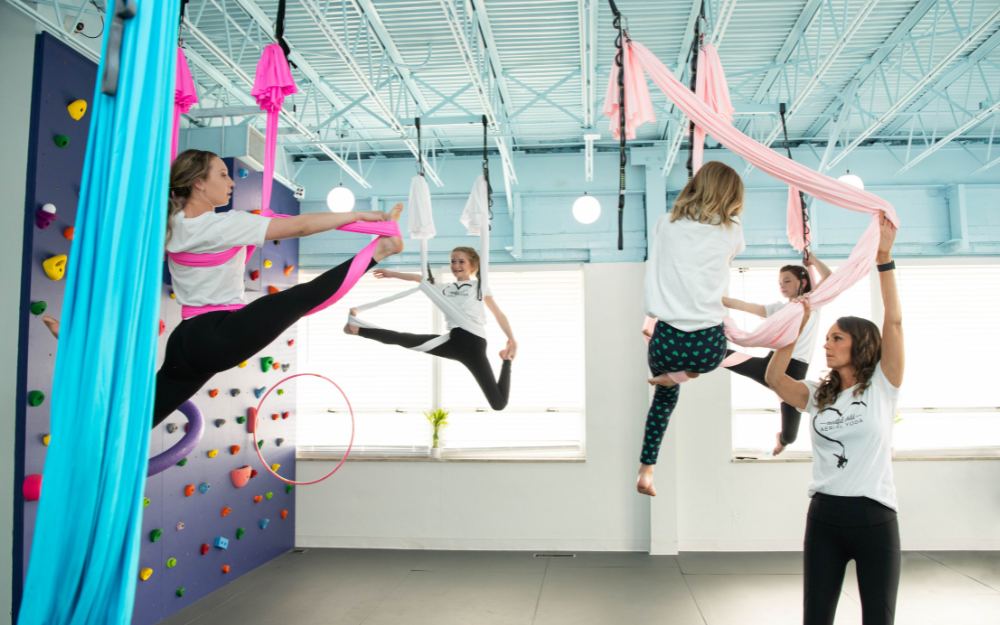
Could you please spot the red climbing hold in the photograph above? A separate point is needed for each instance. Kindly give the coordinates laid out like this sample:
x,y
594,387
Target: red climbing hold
x,y
254,274
213,392
252,420
226,510
32,487
163,327
285,415
189,490
253,473
204,548
291,342
240,476
284,513
273,289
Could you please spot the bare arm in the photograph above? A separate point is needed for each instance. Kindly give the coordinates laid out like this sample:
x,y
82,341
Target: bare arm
x,y
824,271
503,323
893,354
314,223
385,273
753,309
791,391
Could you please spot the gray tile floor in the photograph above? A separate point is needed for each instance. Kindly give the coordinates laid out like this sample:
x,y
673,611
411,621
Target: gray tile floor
x,y
386,587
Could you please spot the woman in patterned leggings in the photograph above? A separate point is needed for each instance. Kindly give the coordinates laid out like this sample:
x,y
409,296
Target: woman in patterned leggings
x,y
686,277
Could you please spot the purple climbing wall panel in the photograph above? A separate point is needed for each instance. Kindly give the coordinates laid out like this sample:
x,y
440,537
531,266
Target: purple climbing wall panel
x,y
61,77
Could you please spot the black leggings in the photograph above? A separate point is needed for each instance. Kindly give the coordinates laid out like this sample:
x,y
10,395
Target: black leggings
x,y
464,347
841,529
756,370
202,346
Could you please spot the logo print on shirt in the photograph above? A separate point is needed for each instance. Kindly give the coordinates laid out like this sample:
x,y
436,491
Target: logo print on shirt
x,y
841,458
457,292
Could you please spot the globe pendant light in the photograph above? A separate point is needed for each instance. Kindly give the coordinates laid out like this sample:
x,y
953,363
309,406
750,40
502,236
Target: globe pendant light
x,y
340,200
586,209
851,179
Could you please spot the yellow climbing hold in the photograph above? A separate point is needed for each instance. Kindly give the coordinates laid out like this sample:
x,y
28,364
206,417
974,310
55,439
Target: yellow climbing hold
x,y
55,267
144,574
46,439
76,111
172,296
243,364
275,467
213,453
268,264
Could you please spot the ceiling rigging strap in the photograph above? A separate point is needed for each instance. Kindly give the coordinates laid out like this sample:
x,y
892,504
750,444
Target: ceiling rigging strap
x,y
279,31
620,62
486,174
802,196
695,51
420,149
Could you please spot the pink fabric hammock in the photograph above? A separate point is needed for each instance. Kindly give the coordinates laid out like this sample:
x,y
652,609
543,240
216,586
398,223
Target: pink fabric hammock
x,y
273,82
708,110
185,96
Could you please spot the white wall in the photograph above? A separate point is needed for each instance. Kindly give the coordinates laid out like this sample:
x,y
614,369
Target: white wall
x,y
705,502
17,48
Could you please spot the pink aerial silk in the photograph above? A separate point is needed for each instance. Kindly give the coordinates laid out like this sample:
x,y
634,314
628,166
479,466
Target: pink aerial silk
x,y
273,82
359,265
185,96
782,328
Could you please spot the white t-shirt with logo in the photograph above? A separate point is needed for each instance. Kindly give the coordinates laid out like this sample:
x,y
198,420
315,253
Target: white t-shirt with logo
x,y
687,273
806,345
852,442
465,295
210,233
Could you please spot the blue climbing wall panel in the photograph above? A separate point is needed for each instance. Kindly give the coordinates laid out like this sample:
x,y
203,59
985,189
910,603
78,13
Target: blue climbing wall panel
x,y
54,173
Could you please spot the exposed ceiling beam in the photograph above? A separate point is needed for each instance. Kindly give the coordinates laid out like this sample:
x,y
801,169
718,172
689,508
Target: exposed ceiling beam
x,y
587,15
969,125
925,81
494,52
901,32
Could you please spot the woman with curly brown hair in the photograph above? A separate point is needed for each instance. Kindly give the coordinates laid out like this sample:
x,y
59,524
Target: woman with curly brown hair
x,y
852,515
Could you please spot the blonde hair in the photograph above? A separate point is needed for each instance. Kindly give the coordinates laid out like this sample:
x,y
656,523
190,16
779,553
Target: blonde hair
x,y
714,196
189,167
474,259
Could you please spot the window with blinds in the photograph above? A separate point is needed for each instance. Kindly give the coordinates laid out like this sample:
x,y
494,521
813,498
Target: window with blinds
x,y
945,340
390,387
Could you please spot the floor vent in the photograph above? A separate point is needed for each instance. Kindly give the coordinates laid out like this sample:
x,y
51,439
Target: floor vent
x,y
555,555
299,550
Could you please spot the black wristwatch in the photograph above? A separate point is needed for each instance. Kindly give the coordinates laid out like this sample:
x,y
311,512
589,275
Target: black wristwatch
x,y
889,266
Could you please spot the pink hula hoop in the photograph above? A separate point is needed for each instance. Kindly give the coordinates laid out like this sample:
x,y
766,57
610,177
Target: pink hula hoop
x,y
257,424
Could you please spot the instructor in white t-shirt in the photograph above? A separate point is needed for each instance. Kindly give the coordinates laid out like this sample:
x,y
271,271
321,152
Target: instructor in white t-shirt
x,y
852,515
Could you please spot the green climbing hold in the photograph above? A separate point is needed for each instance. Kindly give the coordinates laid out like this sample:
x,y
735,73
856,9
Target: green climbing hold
x,y
241,420
288,488
38,308
171,563
239,532
265,363
61,141
182,462
145,501
35,398
281,391
155,535
268,495
180,591
260,443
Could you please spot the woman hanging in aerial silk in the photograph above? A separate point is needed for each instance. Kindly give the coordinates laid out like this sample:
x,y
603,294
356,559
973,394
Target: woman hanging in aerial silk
x,y
793,281
220,329
686,277
458,343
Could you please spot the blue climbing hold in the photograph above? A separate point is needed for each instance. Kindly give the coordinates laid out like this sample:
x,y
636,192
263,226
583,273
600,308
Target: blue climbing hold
x,y
264,522
204,487
222,543
259,391
244,173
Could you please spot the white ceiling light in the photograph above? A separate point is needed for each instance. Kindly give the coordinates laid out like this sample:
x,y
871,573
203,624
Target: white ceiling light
x,y
586,209
854,181
340,200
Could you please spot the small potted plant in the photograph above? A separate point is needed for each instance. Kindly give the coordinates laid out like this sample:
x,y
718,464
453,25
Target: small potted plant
x,y
439,421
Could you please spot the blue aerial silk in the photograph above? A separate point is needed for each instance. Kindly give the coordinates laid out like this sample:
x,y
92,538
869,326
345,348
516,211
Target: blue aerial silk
x,y
85,552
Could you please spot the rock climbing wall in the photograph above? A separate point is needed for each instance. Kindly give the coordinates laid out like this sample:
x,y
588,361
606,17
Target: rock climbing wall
x,y
192,508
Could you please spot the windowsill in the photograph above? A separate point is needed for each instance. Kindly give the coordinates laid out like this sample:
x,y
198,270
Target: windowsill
x,y
426,459
928,456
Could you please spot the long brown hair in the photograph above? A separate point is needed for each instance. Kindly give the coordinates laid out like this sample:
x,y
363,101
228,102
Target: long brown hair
x,y
189,167
800,273
866,351
713,196
474,259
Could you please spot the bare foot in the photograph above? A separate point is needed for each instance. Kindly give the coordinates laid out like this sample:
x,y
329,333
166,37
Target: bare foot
x,y
779,447
661,380
387,246
645,483
349,329
52,325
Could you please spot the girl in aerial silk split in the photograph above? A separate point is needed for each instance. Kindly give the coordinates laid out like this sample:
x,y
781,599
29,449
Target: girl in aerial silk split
x,y
794,281
458,344
220,329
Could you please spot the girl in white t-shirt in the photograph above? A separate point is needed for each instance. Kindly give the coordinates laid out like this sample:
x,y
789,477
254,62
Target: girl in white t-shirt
x,y
686,276
793,281
462,345
852,515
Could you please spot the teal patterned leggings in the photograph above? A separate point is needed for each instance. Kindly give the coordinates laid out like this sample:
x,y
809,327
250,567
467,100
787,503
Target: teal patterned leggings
x,y
672,350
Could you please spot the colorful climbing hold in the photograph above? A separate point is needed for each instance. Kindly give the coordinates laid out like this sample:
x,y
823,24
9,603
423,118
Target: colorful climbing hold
x,y
189,490
182,462
213,393
155,535
171,563
32,487
284,514
240,476
275,417
144,574
220,422
285,415
257,498
171,428
221,543
268,264
180,526
288,270
35,398
213,453
45,215
77,109
264,522
225,569
276,365
281,392
266,362
68,232
273,289
268,495
163,327
55,267
259,391
275,466
279,441
46,439
251,420
204,548
254,274
260,443
253,473
226,510
291,342
234,449
38,308
234,392
242,364
285,366
288,488
61,141
239,532
180,591
173,295
243,173
241,420
203,487
145,501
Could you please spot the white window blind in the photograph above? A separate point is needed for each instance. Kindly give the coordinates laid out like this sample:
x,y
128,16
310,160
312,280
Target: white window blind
x,y
390,388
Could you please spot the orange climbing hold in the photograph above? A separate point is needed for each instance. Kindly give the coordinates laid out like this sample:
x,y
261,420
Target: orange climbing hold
x,y
273,289
189,490
257,498
284,514
225,569
234,449
288,270
68,233
214,392
276,366
256,212
275,417
226,510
